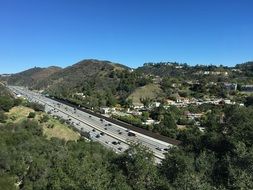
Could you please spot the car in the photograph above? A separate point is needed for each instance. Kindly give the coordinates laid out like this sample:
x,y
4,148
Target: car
x,y
105,124
120,148
158,148
89,116
101,120
102,133
105,128
114,143
131,134
120,133
94,130
109,124
98,135
166,149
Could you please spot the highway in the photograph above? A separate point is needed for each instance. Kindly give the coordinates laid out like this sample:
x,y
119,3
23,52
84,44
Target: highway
x,y
108,134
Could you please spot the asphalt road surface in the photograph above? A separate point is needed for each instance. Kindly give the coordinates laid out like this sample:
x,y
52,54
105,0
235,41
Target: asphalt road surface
x,y
108,134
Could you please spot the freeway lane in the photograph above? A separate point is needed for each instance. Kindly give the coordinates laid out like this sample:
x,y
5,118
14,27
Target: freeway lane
x,y
118,131
86,122
79,124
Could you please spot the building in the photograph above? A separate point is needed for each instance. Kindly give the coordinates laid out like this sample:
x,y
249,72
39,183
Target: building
x,y
230,86
106,110
150,122
170,102
155,104
247,88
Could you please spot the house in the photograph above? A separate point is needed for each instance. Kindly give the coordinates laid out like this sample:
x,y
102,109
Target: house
x,y
170,102
183,100
155,104
194,115
106,110
134,112
150,122
247,88
230,86
138,105
227,101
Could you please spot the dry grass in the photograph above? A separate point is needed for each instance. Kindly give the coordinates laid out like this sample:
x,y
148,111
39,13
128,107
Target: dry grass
x,y
18,113
181,127
59,130
151,91
62,131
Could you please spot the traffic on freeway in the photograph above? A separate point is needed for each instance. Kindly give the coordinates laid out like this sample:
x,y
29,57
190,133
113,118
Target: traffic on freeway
x,y
109,134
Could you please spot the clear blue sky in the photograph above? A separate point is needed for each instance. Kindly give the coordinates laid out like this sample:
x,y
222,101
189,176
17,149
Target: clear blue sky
x,y
62,32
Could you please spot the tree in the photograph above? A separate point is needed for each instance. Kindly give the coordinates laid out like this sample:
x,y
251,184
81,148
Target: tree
x,y
3,117
146,101
126,103
111,100
36,106
249,101
6,103
169,121
137,163
7,182
144,116
31,115
176,164
44,118
17,101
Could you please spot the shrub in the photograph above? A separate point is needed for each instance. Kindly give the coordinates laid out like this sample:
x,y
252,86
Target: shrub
x,y
3,117
31,115
36,106
6,103
44,119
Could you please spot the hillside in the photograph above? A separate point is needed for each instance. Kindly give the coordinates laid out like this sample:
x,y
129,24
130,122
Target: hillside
x,y
164,69
150,91
4,91
87,76
94,83
90,82
42,78
32,77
